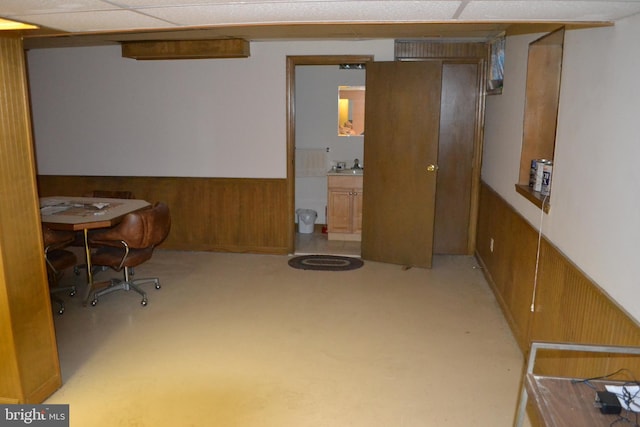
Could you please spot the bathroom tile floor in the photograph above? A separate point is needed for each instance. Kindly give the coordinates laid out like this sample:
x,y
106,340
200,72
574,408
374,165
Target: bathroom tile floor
x,y
319,244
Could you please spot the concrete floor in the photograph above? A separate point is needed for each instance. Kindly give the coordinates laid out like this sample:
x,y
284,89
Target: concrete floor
x,y
245,340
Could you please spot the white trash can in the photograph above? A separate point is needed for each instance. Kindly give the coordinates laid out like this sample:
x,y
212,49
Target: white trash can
x,y
306,220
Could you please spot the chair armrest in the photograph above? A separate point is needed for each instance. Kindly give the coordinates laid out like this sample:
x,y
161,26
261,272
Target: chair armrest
x,y
94,243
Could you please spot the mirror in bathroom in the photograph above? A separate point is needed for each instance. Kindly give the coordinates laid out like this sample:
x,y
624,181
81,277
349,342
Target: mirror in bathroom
x,y
351,110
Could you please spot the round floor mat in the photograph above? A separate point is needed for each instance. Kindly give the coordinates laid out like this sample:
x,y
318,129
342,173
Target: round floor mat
x,y
325,262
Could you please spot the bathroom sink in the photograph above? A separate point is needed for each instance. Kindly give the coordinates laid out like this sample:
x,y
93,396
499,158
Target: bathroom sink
x,y
350,171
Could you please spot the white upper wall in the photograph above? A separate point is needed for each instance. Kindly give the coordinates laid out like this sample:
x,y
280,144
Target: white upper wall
x,y
595,205
96,113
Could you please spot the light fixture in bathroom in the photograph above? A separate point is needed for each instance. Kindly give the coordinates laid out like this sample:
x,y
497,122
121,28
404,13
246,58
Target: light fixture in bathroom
x,y
352,66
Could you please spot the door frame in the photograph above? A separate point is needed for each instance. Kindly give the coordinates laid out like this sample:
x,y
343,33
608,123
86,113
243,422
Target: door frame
x,y
292,62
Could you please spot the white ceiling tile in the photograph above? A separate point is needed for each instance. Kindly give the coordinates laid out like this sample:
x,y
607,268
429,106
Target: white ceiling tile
x,y
309,11
113,20
33,7
165,3
120,15
549,10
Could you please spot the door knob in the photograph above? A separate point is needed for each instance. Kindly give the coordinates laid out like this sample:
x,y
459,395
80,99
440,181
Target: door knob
x,y
432,168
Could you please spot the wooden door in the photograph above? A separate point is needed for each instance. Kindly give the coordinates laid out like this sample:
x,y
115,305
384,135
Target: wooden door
x,y
401,142
456,144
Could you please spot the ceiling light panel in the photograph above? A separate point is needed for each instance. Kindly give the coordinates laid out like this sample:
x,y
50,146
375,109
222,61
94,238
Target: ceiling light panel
x,y
549,10
110,20
308,12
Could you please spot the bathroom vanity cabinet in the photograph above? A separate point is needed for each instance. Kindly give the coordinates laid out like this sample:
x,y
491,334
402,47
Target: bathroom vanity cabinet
x,y
344,207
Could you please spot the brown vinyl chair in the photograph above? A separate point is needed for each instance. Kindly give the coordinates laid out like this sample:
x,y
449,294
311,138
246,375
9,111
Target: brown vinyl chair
x,y
129,244
58,259
105,194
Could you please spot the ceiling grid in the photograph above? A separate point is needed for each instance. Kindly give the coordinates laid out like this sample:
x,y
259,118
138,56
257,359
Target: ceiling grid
x,y
111,21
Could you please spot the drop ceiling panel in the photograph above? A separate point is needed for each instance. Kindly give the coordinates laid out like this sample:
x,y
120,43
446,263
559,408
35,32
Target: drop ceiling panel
x,y
549,10
110,20
285,19
180,3
308,11
33,7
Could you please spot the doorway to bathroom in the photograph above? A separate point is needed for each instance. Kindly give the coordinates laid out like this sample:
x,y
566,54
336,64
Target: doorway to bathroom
x,y
316,143
458,174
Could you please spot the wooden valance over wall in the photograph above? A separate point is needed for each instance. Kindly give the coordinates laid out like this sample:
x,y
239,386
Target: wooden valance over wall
x,y
420,49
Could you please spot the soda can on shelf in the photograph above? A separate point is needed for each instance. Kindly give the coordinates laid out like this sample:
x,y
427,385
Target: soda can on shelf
x,y
545,188
537,185
532,173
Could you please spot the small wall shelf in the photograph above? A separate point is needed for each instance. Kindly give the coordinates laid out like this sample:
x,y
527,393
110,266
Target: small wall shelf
x,y
535,197
544,69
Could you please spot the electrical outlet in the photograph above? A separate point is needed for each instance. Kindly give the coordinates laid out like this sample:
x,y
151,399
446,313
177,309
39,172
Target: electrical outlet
x,y
491,245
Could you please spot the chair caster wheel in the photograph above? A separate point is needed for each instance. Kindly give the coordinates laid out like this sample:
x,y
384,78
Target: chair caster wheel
x,y
143,302
158,286
61,311
94,302
72,293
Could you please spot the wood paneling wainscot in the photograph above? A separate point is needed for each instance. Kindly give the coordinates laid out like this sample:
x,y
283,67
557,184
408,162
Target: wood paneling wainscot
x,y
510,266
208,214
568,305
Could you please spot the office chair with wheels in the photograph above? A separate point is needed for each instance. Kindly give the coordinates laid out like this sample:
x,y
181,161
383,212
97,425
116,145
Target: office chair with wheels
x,y
58,259
105,194
129,244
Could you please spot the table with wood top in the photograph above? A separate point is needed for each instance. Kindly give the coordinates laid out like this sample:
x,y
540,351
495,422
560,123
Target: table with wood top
x,y
84,214
567,402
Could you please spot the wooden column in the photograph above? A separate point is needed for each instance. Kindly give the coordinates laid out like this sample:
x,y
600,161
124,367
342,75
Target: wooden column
x,y
29,366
